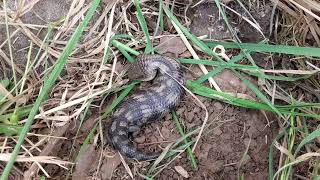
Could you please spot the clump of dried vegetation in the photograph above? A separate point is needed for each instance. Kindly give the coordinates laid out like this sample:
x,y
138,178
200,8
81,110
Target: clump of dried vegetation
x,y
73,68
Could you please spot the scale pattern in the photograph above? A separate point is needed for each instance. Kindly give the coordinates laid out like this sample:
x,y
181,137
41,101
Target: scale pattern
x,y
146,105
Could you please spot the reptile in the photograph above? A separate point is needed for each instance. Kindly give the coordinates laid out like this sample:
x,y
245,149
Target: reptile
x,y
146,105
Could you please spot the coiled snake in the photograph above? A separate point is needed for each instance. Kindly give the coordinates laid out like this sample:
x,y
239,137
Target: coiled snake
x,y
146,105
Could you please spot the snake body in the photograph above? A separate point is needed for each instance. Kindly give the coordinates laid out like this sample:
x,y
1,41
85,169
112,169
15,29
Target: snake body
x,y
146,105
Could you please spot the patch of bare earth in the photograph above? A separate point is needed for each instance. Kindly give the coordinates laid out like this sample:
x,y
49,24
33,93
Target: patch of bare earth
x,y
235,141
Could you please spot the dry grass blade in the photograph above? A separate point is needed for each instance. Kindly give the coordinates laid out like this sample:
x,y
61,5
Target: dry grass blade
x,y
39,159
305,9
37,163
302,72
256,26
195,56
95,73
49,147
126,166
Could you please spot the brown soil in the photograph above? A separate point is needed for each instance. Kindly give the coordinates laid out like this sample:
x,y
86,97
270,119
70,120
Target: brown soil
x,y
221,153
223,145
235,143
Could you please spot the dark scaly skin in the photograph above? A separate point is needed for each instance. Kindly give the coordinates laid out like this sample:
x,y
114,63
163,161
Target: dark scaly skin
x,y
146,105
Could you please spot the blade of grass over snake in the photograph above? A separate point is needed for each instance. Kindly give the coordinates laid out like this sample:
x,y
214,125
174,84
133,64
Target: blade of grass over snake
x,y
189,150
143,24
48,84
122,50
123,94
125,47
283,49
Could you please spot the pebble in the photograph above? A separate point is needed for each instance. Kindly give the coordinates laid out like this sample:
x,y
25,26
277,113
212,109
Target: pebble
x,y
218,106
141,139
165,132
217,131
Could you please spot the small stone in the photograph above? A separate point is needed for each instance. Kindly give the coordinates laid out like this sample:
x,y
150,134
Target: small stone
x,y
166,123
205,148
190,117
189,125
253,132
245,159
218,106
167,117
217,131
246,141
147,131
216,166
165,132
180,111
230,110
196,109
141,139
226,148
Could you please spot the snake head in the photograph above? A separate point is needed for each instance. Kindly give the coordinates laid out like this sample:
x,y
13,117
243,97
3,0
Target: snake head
x,y
140,70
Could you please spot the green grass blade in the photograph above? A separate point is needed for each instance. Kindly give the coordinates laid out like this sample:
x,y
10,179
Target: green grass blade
x,y
189,150
114,42
5,83
124,49
10,130
10,45
161,15
144,27
270,158
282,49
48,84
222,66
258,92
306,140
206,49
119,99
145,177
19,112
124,52
227,98
211,74
92,132
250,70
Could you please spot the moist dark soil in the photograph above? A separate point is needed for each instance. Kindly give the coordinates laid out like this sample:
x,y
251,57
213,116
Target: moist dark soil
x,y
234,144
